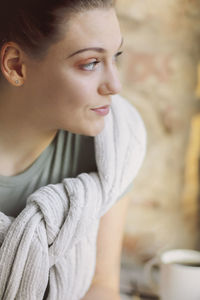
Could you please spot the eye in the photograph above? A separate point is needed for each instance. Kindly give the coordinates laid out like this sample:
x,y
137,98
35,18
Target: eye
x,y
90,66
117,55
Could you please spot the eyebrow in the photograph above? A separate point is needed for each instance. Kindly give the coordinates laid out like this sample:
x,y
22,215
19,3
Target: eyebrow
x,y
97,49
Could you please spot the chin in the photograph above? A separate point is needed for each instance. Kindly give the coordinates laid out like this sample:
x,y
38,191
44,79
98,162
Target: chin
x,y
94,130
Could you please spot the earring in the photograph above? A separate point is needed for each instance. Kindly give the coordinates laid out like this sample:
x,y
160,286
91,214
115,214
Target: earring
x,y
17,81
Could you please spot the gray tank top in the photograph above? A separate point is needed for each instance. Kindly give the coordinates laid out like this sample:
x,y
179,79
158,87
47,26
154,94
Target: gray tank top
x,y
67,156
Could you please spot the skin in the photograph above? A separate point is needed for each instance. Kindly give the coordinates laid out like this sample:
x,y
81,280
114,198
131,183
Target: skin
x,y
59,91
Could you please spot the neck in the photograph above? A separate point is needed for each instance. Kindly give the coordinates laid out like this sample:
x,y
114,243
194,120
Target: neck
x,y
22,139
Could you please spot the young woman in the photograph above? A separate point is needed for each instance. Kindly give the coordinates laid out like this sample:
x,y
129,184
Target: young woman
x,y
69,149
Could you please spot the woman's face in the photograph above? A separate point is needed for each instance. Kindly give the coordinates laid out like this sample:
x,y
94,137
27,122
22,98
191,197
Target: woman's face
x,y
78,74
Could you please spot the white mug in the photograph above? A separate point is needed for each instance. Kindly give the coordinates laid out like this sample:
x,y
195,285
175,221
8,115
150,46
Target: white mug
x,y
178,276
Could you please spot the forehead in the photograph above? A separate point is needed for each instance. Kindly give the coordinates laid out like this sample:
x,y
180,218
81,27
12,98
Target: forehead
x,y
92,28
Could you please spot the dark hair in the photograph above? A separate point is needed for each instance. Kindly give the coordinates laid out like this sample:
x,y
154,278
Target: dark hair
x,y
34,24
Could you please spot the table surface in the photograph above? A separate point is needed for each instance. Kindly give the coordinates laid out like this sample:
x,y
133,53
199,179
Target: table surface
x,y
141,296
133,285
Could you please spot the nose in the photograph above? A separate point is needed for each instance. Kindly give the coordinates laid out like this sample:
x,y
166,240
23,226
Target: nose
x,y
111,84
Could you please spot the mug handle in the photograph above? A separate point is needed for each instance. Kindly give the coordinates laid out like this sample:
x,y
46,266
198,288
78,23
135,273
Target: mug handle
x,y
148,274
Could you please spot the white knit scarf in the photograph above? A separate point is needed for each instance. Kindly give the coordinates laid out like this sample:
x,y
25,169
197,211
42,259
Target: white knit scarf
x,y
53,239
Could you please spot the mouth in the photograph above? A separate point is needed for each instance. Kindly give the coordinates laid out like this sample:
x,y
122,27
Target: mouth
x,y
102,110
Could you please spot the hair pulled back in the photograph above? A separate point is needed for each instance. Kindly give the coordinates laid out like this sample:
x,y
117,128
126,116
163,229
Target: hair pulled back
x,y
34,24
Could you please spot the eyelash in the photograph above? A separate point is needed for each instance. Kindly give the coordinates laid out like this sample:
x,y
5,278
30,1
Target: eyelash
x,y
96,62
118,54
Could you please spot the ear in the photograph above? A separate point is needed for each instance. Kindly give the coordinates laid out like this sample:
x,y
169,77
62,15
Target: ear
x,y
12,65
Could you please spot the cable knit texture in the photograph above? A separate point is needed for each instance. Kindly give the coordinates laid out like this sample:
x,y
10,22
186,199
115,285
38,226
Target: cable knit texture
x,y
54,238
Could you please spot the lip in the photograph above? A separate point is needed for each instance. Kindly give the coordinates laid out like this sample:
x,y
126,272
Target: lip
x,y
102,111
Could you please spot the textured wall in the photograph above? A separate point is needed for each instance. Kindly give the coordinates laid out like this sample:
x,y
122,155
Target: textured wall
x,y
159,75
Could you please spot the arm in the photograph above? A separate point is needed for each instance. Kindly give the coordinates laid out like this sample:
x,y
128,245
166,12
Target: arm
x,y
105,284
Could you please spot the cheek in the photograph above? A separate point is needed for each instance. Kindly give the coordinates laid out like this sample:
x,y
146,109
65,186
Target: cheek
x,y
62,87
77,78
69,97
80,89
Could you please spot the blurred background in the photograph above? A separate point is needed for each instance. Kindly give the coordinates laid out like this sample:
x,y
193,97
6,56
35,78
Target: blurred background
x,y
160,75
